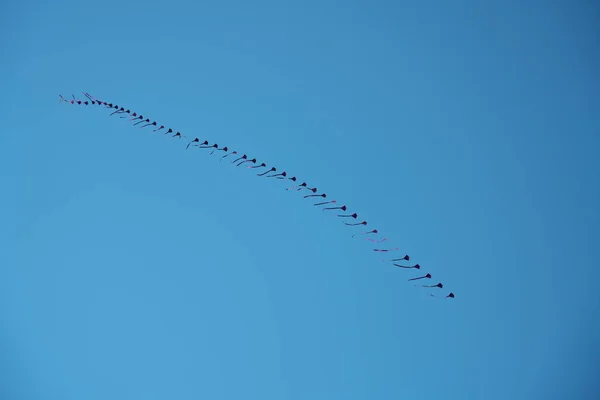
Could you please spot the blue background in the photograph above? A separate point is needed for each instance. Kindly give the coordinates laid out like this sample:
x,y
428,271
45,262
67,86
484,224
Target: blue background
x,y
467,132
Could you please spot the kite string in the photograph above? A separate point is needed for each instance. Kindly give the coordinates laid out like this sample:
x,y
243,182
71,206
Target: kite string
x,y
300,187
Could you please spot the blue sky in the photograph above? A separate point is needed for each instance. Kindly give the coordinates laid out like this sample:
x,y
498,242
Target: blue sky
x,y
466,132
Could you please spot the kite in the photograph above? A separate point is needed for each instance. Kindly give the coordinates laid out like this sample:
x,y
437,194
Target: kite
x,y
348,215
138,119
426,276
416,266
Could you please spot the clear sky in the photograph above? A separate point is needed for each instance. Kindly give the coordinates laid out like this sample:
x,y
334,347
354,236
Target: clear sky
x,y
465,131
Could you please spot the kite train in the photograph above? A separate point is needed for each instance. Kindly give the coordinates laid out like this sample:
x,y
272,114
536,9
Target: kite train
x,y
269,172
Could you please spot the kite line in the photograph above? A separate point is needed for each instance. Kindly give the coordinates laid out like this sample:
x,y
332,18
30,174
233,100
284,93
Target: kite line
x,y
142,122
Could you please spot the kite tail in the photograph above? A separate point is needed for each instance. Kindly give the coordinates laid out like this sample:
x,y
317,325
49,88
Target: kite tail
x,y
325,202
385,250
227,155
439,285
438,297
428,276
416,266
264,173
366,233
92,98
376,241
449,296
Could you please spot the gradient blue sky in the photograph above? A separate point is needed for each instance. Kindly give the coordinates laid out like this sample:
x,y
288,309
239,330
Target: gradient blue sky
x,y
465,131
